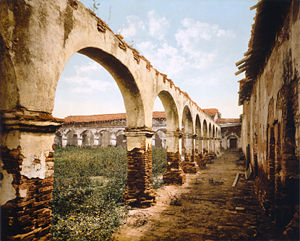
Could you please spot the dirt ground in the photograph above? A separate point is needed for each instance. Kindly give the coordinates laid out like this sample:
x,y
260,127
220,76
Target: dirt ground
x,y
206,207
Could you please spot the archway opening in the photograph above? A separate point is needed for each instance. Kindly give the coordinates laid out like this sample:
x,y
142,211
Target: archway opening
x,y
120,138
205,135
232,142
198,142
173,173
159,142
89,182
58,139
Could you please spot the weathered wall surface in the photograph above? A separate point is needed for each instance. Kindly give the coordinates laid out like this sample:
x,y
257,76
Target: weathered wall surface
x,y
231,136
36,40
106,133
271,125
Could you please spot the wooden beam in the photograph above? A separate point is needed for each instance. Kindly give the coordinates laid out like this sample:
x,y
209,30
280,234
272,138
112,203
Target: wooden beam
x,y
236,180
256,5
240,71
242,60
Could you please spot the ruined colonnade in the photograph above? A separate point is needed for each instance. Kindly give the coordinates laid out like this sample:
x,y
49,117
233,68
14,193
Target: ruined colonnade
x,y
37,39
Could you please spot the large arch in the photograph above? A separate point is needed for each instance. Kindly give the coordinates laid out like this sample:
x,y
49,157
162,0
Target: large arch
x,y
209,138
120,138
87,138
174,173
188,164
72,138
58,139
31,62
198,132
205,136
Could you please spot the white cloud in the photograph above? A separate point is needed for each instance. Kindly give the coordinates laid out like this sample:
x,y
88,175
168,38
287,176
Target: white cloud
x,y
199,30
92,66
164,57
157,25
133,24
190,39
83,82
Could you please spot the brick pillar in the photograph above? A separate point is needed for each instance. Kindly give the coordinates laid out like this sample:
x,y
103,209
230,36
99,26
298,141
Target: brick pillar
x,y
199,151
27,168
174,174
189,165
139,192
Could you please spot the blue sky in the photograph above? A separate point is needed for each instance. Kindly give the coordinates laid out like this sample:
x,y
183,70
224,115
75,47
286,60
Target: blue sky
x,y
195,42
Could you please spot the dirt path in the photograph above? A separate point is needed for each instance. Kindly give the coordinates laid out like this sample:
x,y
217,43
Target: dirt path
x,y
207,207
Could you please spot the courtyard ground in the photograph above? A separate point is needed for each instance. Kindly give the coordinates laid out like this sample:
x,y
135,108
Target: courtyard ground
x,y
206,207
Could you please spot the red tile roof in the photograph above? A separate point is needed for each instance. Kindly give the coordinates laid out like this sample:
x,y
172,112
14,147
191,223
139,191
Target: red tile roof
x,y
211,111
106,117
228,120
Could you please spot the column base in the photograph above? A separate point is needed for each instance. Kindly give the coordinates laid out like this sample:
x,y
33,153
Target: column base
x,y
189,167
174,177
140,200
201,162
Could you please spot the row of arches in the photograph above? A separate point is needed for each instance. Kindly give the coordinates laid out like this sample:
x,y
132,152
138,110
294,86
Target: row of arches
x,y
28,85
104,137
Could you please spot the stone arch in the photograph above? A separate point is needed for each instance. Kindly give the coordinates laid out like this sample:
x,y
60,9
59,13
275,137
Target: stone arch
x,y
160,138
172,117
58,139
209,138
205,136
123,77
213,138
87,138
188,145
120,138
72,138
187,129
232,141
174,173
198,144
104,138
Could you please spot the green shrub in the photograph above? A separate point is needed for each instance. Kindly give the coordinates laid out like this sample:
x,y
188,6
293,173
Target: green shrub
x,y
88,187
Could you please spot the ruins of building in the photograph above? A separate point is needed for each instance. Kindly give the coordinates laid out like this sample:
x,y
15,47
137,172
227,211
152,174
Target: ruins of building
x,y
230,129
104,130
271,119
109,130
231,133
37,38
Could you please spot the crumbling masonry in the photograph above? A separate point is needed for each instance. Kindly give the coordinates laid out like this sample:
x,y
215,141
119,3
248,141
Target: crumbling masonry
x,y
37,38
270,95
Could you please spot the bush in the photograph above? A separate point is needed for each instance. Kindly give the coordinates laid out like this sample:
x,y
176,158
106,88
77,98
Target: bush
x,y
88,187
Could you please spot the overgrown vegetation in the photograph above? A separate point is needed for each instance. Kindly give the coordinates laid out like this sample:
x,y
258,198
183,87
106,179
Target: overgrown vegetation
x,y
88,187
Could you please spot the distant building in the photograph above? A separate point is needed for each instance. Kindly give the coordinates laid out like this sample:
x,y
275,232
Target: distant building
x,y
104,130
231,133
109,130
230,129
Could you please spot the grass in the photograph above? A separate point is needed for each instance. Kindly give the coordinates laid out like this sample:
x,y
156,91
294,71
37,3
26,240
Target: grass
x,y
88,187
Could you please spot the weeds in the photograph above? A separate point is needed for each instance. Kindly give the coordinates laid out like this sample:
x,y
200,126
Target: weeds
x,y
88,187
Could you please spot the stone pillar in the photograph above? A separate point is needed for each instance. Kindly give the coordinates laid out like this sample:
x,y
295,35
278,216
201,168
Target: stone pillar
x,y
79,141
174,174
139,192
199,151
27,168
189,165
64,141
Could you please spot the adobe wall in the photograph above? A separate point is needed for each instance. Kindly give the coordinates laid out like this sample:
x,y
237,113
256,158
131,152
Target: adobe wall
x,y
37,38
231,132
271,125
